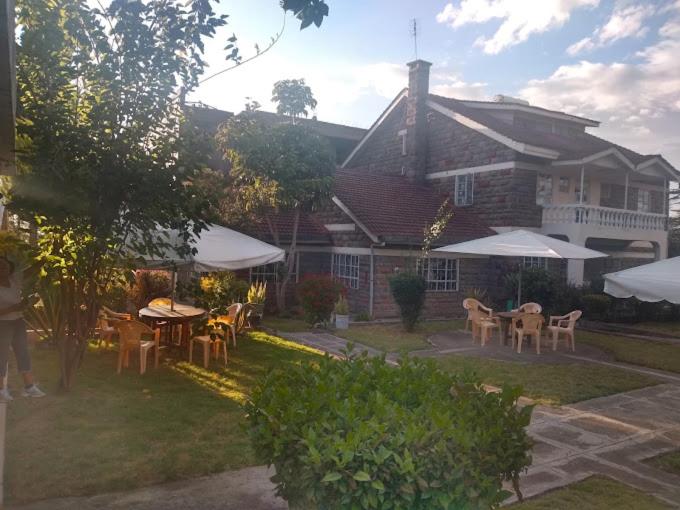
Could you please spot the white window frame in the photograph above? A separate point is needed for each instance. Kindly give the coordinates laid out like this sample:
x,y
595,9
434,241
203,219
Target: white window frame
x,y
432,275
469,183
535,263
544,197
270,272
346,269
642,204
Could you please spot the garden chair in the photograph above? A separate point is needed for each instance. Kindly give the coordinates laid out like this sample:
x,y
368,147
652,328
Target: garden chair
x,y
564,325
529,308
470,305
479,313
234,322
207,343
131,335
115,315
106,330
531,324
483,324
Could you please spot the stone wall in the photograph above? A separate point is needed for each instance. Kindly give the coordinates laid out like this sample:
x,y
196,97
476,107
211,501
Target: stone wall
x,y
503,197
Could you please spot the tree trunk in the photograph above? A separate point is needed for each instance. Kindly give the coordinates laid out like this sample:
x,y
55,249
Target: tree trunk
x,y
289,264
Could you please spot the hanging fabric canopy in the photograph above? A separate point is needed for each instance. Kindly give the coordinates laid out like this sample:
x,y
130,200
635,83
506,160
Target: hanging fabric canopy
x,y
218,249
653,282
522,243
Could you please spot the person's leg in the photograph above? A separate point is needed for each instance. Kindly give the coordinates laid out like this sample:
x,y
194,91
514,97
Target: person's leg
x,y
5,339
20,347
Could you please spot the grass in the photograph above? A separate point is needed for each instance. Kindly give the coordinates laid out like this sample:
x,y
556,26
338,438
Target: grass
x,y
647,353
392,337
285,325
553,384
120,432
594,493
669,462
664,327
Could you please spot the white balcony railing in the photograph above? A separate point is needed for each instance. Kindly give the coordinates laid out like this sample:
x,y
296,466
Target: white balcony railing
x,y
604,217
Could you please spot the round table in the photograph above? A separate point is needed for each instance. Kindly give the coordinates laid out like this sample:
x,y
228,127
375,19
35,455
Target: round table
x,y
180,315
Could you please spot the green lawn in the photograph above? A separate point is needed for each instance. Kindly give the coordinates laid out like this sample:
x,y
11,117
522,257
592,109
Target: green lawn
x,y
660,355
285,325
667,462
392,337
119,432
672,328
594,493
553,384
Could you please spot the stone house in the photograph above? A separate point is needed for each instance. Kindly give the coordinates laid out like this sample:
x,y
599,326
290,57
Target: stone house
x,y
504,165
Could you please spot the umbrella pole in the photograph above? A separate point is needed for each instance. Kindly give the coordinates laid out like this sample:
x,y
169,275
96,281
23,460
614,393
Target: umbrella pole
x,y
519,286
174,282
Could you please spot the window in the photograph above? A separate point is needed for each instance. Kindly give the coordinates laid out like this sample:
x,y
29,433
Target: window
x,y
402,134
535,263
440,274
564,185
644,200
271,272
544,189
577,191
605,191
346,269
464,189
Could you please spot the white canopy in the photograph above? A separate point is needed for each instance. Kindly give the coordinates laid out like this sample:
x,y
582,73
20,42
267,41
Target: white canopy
x,y
220,248
650,282
522,243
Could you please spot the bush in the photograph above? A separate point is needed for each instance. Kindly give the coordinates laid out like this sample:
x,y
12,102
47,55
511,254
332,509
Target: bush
x,y
556,296
408,290
595,306
149,285
216,291
318,295
359,433
342,306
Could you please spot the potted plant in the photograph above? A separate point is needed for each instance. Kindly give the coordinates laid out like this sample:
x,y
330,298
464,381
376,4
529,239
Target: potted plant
x,y
256,297
341,313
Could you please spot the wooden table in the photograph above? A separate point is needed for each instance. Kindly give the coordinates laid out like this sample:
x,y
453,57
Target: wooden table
x,y
182,315
506,322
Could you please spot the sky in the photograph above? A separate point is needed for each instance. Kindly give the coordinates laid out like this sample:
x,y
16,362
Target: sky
x,y
616,61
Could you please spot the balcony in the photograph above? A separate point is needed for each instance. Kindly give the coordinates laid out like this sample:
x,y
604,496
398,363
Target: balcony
x,y
604,217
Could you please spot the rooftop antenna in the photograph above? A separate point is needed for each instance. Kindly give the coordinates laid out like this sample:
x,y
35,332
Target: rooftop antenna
x,y
414,34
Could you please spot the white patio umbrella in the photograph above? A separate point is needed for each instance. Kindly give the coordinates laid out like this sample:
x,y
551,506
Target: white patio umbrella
x,y
653,282
216,248
522,243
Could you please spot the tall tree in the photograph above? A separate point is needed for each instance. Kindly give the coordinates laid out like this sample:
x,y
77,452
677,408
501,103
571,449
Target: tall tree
x,y
293,97
105,162
278,167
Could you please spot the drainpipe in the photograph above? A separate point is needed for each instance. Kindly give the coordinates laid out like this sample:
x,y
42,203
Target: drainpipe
x,y
371,282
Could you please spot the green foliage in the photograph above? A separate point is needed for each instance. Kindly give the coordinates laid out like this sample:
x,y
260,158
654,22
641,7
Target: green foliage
x,y
408,290
556,296
362,317
361,434
307,11
341,306
433,232
293,97
149,285
595,306
257,293
318,295
216,291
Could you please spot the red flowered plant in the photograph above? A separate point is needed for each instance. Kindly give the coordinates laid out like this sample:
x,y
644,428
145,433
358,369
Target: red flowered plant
x,y
317,294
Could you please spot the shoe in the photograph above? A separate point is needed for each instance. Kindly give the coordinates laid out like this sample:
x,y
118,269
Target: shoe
x,y
33,392
5,396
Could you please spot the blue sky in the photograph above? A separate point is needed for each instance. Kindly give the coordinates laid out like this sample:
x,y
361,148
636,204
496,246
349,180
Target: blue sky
x,y
617,61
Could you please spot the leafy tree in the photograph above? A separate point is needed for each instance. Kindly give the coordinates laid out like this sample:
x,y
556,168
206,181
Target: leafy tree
x,y
105,163
293,98
278,167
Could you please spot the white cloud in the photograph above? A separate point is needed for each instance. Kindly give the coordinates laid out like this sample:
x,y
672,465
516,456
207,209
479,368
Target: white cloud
x,y
638,101
454,86
521,18
625,21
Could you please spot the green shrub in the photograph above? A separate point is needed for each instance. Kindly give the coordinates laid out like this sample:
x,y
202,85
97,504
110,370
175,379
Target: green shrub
x,y
362,317
408,290
149,285
361,434
552,292
595,306
318,294
342,306
216,291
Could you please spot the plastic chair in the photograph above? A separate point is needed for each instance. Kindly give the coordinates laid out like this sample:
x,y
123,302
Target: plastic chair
x,y
131,333
207,343
564,325
233,321
484,324
105,310
529,308
531,327
106,330
471,305
479,314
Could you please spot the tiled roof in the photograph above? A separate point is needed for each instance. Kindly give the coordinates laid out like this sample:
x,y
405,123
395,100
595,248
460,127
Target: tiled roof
x,y
398,210
309,230
569,147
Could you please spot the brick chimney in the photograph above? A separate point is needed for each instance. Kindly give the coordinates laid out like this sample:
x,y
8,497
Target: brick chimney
x,y
416,119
